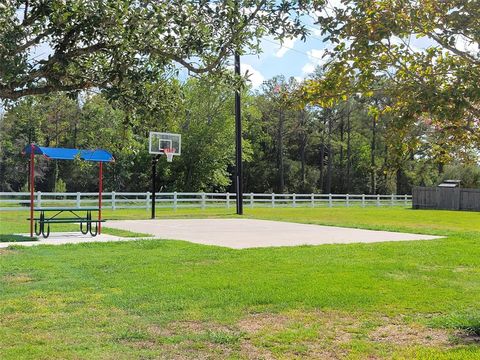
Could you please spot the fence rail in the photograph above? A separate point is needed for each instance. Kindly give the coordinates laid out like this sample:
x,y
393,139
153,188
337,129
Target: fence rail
x,y
143,200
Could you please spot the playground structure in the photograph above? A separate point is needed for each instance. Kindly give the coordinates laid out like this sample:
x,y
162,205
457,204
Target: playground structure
x,y
97,155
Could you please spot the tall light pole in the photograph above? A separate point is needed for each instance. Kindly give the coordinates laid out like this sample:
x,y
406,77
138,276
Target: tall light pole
x,y
238,143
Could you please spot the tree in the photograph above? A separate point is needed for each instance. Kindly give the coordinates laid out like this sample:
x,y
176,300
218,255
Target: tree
x,y
48,120
206,121
104,44
372,39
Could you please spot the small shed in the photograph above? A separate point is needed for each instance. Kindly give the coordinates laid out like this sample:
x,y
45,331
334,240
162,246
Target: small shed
x,y
450,184
448,195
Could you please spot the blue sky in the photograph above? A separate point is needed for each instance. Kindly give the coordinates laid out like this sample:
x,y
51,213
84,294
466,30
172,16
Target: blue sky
x,y
295,58
298,58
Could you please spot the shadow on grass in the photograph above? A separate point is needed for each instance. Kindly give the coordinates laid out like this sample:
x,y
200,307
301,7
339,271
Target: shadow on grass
x,y
466,326
468,335
15,238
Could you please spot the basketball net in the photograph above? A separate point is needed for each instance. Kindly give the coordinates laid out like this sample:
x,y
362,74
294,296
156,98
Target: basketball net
x,y
169,153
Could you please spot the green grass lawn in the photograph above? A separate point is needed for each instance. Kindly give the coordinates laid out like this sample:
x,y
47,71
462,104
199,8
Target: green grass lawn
x,y
173,299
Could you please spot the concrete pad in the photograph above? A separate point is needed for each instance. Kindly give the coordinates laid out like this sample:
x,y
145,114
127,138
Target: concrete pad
x,y
232,233
60,238
249,233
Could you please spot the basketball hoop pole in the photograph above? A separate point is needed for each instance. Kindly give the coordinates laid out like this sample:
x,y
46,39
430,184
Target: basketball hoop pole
x,y
32,186
168,144
154,182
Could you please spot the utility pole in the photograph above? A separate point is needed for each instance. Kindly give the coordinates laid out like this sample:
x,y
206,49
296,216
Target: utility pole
x,y
238,143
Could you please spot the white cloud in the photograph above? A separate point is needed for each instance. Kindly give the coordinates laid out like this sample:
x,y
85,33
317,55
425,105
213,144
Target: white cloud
x,y
308,68
316,58
465,45
299,78
287,45
316,32
253,75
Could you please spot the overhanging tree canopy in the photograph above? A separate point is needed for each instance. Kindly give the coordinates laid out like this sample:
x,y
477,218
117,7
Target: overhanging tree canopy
x,y
375,49
53,45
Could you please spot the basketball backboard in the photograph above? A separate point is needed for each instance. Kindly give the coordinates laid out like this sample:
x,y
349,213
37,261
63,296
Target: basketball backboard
x,y
158,142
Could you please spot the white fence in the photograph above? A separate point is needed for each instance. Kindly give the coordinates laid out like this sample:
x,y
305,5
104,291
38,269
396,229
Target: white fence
x,y
124,200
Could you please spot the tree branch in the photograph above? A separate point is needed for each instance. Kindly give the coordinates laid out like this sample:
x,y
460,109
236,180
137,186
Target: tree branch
x,y
17,94
453,49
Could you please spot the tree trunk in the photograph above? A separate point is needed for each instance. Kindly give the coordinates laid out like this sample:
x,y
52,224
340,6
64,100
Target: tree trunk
x,y
281,174
303,148
373,180
328,188
341,182
349,153
321,179
385,168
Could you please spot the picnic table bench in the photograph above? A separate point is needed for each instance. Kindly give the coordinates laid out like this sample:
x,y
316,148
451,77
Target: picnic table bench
x,y
44,220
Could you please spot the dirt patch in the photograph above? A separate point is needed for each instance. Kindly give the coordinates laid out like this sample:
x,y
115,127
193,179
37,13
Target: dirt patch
x,y
294,334
140,344
6,252
189,327
465,337
193,350
17,278
251,352
255,323
332,323
411,334
463,269
298,334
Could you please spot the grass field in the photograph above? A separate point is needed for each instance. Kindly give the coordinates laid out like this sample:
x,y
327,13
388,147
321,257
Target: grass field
x,y
172,299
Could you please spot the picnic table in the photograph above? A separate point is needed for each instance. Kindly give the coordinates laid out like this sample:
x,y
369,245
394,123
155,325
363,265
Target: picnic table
x,y
77,215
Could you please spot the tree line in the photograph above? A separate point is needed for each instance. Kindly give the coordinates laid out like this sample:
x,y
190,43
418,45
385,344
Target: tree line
x,y
289,145
380,116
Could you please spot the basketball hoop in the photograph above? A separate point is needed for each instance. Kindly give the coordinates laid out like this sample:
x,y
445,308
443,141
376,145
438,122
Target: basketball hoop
x,y
169,153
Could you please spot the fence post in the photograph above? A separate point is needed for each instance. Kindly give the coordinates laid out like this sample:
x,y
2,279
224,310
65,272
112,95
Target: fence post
x,y
228,200
378,200
147,200
203,200
348,200
251,200
392,200
39,198
78,199
363,200
312,199
273,200
330,202
114,205
406,200
175,200
294,202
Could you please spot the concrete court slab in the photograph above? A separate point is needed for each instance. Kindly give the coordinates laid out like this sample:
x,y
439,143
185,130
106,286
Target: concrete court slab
x,y
61,238
249,233
232,233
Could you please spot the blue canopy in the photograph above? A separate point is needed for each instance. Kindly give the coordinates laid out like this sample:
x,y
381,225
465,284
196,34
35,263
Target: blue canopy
x,y
98,155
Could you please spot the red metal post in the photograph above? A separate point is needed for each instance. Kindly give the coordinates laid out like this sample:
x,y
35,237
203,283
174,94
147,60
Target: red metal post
x,y
32,186
100,186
